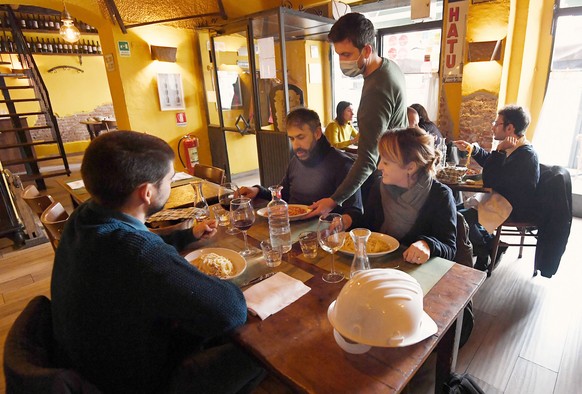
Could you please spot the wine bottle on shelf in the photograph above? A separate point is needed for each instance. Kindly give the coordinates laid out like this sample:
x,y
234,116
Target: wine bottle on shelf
x,y
46,23
23,21
61,49
85,48
35,22
94,47
10,45
51,23
99,51
38,45
44,46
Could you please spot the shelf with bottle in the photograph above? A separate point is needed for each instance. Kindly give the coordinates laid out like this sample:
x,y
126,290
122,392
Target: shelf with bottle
x,y
44,23
53,46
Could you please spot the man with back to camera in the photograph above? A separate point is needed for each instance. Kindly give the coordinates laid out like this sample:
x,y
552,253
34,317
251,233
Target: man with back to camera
x,y
382,105
512,170
316,168
129,313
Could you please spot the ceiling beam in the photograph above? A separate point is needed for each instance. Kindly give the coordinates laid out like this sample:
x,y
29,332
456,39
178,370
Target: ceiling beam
x,y
114,12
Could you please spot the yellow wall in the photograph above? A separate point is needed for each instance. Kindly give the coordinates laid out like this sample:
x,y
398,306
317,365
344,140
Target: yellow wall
x,y
134,95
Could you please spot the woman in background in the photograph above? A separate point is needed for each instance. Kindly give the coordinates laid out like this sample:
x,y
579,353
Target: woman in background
x,y
340,132
426,124
407,202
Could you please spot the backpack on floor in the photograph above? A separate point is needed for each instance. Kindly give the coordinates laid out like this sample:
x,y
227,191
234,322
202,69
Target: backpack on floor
x,y
468,323
462,384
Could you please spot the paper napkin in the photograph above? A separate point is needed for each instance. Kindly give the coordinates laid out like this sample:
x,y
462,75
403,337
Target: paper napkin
x,y
76,184
273,294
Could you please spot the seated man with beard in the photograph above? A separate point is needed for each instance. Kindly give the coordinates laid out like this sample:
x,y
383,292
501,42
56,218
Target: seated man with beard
x,y
129,313
316,168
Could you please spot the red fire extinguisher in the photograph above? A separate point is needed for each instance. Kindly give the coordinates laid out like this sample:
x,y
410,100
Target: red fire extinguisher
x,y
190,151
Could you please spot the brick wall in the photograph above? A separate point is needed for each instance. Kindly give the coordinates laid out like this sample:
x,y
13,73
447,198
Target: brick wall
x,y
69,126
478,110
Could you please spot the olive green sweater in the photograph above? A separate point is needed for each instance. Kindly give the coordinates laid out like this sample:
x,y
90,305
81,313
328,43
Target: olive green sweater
x,y
382,107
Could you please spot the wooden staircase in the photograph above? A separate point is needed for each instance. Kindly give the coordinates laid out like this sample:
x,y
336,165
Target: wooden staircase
x,y
23,87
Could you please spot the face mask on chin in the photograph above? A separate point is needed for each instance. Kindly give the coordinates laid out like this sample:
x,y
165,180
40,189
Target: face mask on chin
x,y
350,67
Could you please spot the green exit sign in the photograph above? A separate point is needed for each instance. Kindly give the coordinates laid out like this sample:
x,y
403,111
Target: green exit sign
x,y
123,47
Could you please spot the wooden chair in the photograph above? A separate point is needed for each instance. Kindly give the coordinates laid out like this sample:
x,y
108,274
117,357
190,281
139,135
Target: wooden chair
x,y
513,229
37,202
54,219
212,174
550,224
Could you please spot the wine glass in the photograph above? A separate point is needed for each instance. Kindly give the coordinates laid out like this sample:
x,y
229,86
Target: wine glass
x,y
226,194
243,216
331,237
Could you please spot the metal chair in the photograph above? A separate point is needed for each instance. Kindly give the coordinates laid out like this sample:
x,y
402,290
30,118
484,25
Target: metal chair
x,y
37,202
212,174
30,364
54,219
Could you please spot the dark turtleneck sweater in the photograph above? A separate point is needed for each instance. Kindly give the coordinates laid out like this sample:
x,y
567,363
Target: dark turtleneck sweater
x,y
317,177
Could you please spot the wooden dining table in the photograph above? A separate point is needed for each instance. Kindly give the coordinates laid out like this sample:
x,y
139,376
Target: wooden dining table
x,y
181,194
297,343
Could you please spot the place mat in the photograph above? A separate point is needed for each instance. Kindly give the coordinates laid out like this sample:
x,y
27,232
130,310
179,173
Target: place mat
x,y
427,274
171,214
255,264
260,229
180,196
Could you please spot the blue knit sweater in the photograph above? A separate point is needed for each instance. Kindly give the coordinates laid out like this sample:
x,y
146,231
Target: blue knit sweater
x,y
120,295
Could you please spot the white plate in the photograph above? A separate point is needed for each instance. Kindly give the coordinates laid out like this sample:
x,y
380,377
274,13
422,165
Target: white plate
x,y
263,212
239,263
392,243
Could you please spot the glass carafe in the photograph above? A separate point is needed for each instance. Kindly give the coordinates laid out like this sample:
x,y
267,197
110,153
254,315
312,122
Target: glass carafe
x,y
360,262
201,210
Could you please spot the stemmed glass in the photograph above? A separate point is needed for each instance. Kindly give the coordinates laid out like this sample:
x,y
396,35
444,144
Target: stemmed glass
x,y
331,236
243,216
226,194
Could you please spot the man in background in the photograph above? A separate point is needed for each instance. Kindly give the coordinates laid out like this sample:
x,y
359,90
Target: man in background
x,y
382,104
129,312
512,170
316,168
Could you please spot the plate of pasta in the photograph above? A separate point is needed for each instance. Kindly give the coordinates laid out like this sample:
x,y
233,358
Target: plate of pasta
x,y
378,245
296,211
220,262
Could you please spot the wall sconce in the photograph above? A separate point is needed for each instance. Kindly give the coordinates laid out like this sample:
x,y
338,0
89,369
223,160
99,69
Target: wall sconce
x,y
164,54
68,30
486,51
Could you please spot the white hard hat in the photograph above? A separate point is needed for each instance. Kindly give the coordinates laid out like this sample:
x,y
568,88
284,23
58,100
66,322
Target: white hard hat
x,y
379,307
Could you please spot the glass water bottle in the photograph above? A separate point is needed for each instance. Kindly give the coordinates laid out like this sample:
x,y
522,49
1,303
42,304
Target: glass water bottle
x,y
279,227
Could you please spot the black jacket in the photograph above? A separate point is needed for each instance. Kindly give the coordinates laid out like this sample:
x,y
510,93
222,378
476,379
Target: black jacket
x,y
554,218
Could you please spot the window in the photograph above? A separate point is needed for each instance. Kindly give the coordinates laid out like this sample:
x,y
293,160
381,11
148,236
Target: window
x,y
558,137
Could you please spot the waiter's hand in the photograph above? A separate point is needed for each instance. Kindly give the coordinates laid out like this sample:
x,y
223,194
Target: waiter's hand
x,y
248,192
204,230
462,145
417,253
321,207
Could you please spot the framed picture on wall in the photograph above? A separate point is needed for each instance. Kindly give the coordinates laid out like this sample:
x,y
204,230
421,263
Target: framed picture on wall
x,y
171,91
